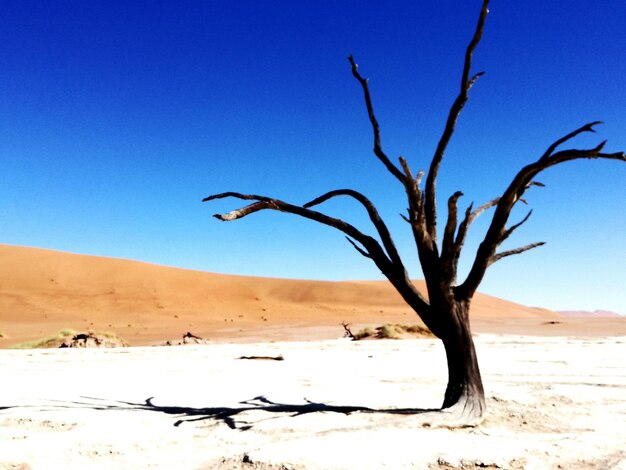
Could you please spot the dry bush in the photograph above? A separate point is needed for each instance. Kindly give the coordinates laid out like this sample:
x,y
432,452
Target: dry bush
x,y
389,331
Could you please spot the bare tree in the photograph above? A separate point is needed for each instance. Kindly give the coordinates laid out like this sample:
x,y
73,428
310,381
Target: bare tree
x,y
446,309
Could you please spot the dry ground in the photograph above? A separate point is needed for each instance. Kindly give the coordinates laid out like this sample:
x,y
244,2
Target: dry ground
x,y
553,403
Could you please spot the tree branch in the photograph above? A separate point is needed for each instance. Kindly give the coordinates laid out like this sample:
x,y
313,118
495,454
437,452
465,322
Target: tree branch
x,y
573,154
516,251
374,216
249,197
378,151
400,278
244,211
496,232
414,196
358,248
455,111
448,247
507,233
586,128
427,249
396,273
467,221
487,205
264,202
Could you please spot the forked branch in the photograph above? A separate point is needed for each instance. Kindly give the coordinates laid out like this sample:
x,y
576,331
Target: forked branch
x,y
586,128
426,246
524,179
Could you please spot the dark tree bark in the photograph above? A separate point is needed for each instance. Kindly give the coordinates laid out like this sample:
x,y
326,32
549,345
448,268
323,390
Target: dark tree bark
x,y
464,391
446,311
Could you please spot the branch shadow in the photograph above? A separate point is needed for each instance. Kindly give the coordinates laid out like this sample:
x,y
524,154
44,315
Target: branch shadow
x,y
228,415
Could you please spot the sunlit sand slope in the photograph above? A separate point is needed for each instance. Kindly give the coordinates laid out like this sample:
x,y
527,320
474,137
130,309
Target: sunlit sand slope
x,y
43,291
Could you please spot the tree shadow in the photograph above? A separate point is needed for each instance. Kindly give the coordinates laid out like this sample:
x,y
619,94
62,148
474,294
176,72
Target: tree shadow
x,y
228,415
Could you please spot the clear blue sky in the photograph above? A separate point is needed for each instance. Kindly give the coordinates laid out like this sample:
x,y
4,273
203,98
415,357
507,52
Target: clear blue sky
x,y
118,117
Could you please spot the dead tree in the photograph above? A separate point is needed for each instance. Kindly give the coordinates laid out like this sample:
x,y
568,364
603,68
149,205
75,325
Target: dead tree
x,y
446,312
348,332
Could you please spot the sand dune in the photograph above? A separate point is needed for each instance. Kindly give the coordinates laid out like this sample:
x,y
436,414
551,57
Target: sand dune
x,y
43,291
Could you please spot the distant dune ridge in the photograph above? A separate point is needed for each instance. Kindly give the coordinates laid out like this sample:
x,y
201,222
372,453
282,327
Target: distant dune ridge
x,y
586,313
43,291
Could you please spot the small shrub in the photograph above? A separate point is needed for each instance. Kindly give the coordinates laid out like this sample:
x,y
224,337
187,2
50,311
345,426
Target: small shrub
x,y
389,331
363,334
50,341
419,329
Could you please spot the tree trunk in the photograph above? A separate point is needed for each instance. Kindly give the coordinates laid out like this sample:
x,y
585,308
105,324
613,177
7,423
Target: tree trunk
x,y
464,395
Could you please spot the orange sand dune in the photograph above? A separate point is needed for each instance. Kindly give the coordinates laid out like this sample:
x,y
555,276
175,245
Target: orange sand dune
x,y
43,291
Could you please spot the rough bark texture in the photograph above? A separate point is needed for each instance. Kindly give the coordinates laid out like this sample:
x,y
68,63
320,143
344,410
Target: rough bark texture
x,y
465,387
446,312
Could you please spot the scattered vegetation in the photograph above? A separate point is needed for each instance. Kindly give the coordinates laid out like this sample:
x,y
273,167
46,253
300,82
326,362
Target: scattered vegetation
x,y
47,342
68,338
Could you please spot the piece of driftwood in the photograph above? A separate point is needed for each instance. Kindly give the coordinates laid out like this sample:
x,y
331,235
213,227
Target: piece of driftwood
x,y
263,358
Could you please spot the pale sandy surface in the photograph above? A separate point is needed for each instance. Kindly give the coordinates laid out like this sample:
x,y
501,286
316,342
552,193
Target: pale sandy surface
x,y
553,403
